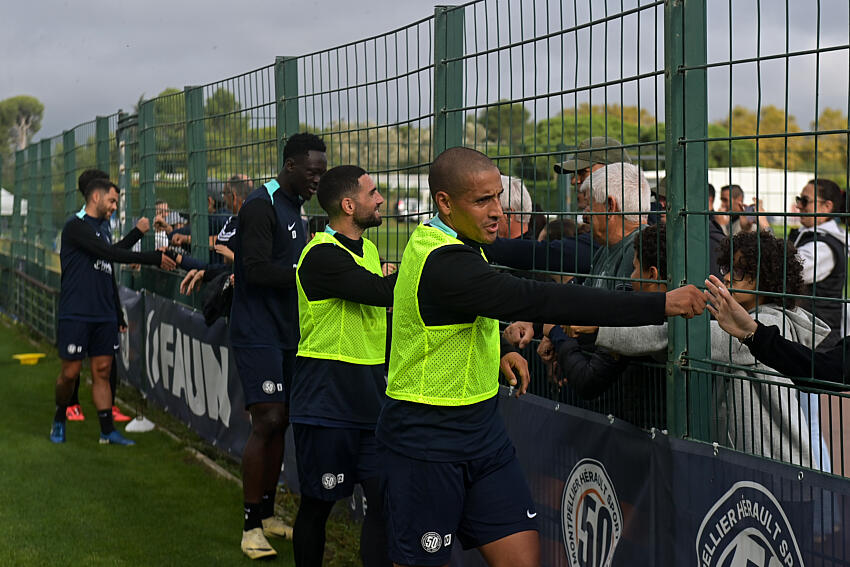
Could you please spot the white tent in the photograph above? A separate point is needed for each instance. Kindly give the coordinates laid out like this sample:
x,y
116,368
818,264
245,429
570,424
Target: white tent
x,y
7,203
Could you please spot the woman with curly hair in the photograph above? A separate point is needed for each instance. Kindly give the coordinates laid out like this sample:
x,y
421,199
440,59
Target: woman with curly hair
x,y
754,412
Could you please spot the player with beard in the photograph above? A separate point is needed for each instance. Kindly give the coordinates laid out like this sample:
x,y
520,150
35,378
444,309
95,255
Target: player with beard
x,y
338,386
264,326
88,319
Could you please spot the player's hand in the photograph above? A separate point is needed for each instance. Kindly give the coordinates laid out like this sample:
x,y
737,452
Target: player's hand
x,y
179,239
732,318
226,252
512,364
167,263
159,222
143,224
122,328
519,333
546,351
687,301
388,268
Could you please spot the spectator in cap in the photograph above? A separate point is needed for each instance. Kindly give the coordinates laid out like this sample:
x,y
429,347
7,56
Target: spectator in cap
x,y
591,154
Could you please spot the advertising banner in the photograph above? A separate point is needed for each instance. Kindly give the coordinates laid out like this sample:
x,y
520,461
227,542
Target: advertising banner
x,y
607,494
610,494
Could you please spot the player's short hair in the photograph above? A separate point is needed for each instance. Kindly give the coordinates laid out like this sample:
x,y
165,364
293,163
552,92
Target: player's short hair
x,y
86,176
99,184
338,183
448,171
302,144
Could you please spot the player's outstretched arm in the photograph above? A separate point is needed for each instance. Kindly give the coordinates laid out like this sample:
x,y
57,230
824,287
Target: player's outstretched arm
x,y
84,237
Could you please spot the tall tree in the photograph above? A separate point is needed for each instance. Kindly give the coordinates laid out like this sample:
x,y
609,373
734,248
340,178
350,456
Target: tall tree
x,y
505,122
832,149
772,150
20,119
169,115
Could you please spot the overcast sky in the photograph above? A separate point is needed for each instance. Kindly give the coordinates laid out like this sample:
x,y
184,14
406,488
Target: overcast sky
x,y
90,57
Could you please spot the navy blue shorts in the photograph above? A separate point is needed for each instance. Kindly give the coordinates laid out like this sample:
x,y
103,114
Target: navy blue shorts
x,y
77,340
265,372
429,505
332,460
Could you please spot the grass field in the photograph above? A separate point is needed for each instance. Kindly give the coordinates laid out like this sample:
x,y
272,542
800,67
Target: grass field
x,y
82,503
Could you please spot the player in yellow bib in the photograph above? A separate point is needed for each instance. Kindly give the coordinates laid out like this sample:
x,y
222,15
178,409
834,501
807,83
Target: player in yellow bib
x,y
338,385
449,469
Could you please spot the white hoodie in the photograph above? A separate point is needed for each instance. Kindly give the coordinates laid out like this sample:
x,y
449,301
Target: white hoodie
x,y
767,419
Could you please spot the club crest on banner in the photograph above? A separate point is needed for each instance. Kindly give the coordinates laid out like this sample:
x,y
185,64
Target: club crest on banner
x,y
747,526
591,517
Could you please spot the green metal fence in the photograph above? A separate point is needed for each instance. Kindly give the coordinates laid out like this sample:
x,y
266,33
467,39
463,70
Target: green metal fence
x,y
524,81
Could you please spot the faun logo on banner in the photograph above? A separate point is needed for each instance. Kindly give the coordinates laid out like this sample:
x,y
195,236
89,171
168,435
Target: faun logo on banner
x,y
591,517
188,369
747,527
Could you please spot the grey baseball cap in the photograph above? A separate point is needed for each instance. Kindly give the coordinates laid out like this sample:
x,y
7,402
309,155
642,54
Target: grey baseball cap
x,y
594,150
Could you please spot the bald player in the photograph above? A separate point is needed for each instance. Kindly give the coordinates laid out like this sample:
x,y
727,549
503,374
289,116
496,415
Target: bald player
x,y
448,467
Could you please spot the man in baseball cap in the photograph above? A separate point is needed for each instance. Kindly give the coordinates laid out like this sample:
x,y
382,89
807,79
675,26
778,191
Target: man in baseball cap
x,y
591,154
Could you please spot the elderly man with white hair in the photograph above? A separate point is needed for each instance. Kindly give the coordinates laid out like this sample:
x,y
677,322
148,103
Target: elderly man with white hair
x,y
516,209
619,204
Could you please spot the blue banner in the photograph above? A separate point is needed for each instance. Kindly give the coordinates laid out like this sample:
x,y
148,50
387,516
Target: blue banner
x,y
608,494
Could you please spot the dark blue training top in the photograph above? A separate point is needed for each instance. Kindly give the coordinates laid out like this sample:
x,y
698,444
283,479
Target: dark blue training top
x,y
266,250
86,255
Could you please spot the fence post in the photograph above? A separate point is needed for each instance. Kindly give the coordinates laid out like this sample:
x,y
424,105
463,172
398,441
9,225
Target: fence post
x,y
688,389
147,169
196,152
125,180
69,168
101,149
286,106
33,220
18,249
448,78
47,235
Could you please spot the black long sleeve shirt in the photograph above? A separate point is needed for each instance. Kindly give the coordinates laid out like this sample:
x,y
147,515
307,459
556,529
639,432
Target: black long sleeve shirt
x,y
88,288
571,254
266,249
800,363
332,393
126,243
457,285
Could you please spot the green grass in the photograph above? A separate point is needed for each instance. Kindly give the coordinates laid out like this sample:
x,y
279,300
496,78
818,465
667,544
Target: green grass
x,y
82,503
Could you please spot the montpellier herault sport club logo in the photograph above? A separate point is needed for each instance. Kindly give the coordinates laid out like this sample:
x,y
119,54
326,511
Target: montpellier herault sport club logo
x,y
747,526
591,517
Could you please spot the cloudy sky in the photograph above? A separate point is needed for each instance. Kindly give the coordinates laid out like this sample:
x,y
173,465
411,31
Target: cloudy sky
x,y
87,57
90,57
